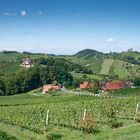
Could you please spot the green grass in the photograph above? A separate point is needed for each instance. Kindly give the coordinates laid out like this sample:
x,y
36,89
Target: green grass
x,y
11,132
119,69
14,57
22,117
126,133
106,66
125,92
91,76
10,63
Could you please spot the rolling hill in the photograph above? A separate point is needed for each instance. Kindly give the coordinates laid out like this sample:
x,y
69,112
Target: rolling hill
x,y
122,65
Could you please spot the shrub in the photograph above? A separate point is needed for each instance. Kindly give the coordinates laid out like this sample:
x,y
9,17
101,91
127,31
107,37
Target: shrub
x,y
87,125
49,136
137,117
111,114
51,91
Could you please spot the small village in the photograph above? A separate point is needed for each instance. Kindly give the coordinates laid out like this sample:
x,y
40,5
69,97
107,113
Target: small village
x,y
102,87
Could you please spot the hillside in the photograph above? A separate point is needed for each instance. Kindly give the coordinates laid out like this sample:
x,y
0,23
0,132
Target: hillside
x,y
23,117
123,65
87,53
10,62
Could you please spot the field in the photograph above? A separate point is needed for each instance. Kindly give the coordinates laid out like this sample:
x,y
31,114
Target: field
x,y
23,116
106,66
114,67
91,76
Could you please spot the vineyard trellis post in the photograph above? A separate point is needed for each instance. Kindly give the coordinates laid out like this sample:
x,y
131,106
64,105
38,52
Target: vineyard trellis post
x,y
47,119
84,117
137,108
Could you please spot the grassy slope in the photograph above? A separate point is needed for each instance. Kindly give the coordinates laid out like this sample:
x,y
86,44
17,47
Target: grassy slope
x,y
120,71
103,67
10,63
91,76
17,56
12,132
126,133
107,63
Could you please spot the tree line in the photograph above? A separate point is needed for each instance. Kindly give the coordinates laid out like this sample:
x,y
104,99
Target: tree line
x,y
67,64
33,78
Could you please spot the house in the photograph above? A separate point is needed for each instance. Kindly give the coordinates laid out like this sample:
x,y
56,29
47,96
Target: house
x,y
46,88
27,62
86,85
128,84
115,85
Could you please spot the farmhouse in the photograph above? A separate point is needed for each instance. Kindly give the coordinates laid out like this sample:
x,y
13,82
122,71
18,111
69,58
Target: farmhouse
x,y
27,62
86,85
46,88
115,85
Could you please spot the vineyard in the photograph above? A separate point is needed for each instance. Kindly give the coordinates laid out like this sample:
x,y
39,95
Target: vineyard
x,y
24,116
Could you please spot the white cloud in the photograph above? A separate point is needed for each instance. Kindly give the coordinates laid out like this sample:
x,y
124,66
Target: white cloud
x,y
23,13
9,13
111,40
40,13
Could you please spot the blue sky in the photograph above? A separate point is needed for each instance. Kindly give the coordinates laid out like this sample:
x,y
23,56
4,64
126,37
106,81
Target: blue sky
x,y
67,26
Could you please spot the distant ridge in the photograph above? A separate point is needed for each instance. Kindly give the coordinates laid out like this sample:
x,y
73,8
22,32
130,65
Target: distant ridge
x,y
88,53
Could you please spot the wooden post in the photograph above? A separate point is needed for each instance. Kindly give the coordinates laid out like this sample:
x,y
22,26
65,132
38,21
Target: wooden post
x,y
47,119
84,117
137,108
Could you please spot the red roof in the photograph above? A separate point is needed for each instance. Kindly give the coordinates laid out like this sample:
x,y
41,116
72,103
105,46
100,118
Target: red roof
x,y
46,88
86,85
113,86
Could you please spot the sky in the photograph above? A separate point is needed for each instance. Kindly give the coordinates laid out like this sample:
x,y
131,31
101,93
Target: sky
x,y
68,26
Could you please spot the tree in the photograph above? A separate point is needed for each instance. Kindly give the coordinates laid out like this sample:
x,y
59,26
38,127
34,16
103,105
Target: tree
x,y
137,81
1,88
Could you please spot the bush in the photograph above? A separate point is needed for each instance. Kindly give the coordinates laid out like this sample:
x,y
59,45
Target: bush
x,y
87,125
137,117
52,91
49,136
52,136
111,114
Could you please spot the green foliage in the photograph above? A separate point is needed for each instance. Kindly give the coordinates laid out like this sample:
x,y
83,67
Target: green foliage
x,y
1,87
87,125
137,81
125,92
52,91
137,117
33,78
49,136
30,113
5,136
111,113
67,65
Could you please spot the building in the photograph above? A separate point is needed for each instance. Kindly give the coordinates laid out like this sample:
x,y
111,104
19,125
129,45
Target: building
x,y
46,88
27,62
86,85
114,85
